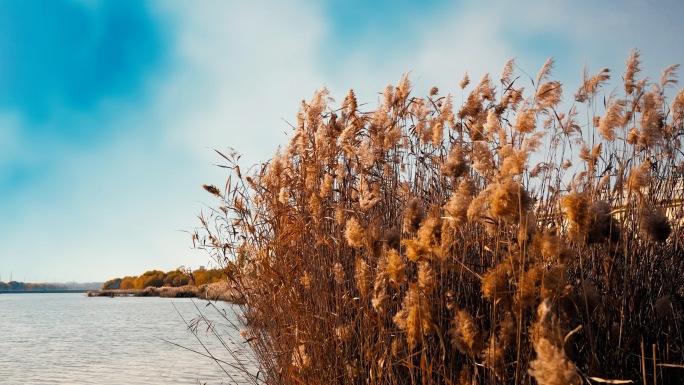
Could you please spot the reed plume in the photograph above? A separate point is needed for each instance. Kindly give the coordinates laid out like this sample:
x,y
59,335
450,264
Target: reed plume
x,y
412,244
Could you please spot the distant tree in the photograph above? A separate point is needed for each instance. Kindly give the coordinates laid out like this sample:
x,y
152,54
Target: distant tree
x,y
50,286
128,283
176,278
203,277
153,278
112,284
14,285
4,286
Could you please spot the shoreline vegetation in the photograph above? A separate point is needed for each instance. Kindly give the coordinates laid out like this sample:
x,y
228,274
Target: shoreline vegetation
x,y
216,291
174,278
69,287
502,235
22,286
202,283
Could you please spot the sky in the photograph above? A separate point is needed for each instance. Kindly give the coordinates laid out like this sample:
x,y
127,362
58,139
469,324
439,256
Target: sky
x,y
110,111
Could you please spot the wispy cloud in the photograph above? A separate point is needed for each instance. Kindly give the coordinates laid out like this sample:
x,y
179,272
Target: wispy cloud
x,y
107,131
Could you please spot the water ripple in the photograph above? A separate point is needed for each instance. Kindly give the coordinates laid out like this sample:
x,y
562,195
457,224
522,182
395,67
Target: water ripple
x,y
73,339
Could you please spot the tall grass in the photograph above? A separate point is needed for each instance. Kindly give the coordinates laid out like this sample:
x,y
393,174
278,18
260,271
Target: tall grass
x,y
498,240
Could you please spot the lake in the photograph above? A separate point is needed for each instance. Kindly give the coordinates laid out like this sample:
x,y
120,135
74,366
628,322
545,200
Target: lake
x,y
73,339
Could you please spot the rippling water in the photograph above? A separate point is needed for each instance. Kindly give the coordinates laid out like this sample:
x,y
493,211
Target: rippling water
x,y
73,339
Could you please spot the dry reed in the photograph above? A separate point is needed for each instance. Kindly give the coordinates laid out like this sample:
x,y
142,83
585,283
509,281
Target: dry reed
x,y
500,241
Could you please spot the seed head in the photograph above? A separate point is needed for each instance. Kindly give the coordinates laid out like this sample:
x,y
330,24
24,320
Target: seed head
x,y
465,333
212,190
354,233
655,225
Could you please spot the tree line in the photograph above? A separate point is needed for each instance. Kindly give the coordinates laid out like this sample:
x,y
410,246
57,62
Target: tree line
x,y
173,278
14,285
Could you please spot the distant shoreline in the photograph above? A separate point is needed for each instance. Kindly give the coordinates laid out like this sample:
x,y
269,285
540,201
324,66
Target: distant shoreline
x,y
220,291
63,291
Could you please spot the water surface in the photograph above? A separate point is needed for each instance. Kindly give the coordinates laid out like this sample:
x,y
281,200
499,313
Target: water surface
x,y
73,339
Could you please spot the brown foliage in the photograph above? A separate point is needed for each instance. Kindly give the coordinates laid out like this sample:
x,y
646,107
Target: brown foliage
x,y
412,244
174,278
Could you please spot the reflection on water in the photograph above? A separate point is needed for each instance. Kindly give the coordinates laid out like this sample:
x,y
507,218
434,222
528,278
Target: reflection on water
x,y
73,339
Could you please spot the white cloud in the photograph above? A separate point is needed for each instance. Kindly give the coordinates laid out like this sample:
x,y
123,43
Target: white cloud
x,y
115,209
435,51
11,141
244,69
241,69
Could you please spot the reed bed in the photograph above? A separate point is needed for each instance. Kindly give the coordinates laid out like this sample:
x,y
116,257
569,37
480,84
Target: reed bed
x,y
499,236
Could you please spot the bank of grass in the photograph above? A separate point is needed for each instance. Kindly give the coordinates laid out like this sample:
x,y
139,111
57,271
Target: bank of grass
x,y
485,237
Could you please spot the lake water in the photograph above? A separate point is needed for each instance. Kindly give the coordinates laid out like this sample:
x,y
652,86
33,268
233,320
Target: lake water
x,y
73,339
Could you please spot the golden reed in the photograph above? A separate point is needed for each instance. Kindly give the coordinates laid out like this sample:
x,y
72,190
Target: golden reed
x,y
497,241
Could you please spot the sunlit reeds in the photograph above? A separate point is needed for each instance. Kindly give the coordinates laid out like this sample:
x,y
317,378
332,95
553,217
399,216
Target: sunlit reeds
x,y
500,241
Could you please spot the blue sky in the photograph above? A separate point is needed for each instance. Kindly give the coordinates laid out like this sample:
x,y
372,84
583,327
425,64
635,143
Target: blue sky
x,y
110,110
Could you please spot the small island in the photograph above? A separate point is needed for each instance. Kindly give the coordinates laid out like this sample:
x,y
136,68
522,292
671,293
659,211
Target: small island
x,y
203,283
